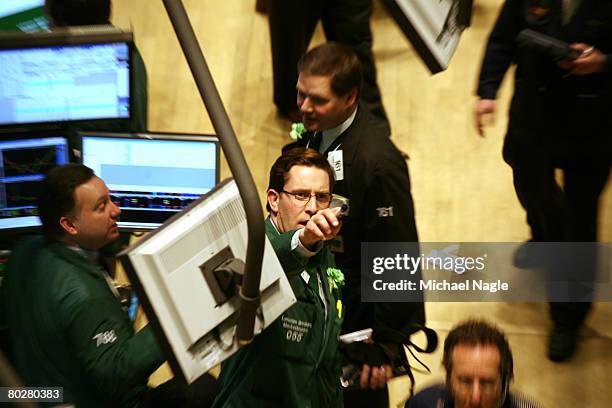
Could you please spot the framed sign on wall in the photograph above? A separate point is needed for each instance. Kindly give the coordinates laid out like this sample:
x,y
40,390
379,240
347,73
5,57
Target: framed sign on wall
x,y
433,27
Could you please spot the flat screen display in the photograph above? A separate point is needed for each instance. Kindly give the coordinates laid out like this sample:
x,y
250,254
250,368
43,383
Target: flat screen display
x,y
23,164
60,83
433,27
195,328
152,176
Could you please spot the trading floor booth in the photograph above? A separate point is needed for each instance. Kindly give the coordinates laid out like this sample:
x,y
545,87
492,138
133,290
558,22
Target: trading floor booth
x,y
54,88
192,268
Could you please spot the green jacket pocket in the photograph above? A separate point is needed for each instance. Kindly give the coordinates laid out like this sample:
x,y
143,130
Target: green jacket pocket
x,y
299,332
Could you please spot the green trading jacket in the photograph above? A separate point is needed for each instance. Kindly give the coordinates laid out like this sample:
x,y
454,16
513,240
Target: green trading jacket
x,y
295,362
67,329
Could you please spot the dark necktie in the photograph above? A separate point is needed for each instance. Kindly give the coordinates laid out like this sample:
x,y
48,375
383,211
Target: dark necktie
x,y
315,141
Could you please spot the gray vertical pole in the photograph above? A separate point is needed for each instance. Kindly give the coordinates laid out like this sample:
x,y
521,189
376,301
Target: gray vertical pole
x,y
249,294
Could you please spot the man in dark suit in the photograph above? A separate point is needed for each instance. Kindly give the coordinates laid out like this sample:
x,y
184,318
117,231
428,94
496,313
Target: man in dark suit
x,y
292,24
559,118
371,172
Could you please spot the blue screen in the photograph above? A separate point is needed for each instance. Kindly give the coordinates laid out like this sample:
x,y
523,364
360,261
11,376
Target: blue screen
x,y
23,163
151,177
64,83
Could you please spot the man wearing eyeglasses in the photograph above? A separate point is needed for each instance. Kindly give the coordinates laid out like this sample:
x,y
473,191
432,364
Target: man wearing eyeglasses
x,y
371,172
295,361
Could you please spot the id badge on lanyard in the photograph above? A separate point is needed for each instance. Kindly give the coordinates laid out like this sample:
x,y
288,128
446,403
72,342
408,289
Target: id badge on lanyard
x,y
336,161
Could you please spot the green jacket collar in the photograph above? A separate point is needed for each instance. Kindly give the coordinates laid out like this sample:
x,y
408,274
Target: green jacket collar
x,y
77,257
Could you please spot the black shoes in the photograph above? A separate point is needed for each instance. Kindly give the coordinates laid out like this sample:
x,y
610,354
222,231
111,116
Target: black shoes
x,y
562,344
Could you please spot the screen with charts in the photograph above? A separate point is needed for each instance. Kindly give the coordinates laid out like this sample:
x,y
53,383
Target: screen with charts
x,y
152,176
62,83
23,164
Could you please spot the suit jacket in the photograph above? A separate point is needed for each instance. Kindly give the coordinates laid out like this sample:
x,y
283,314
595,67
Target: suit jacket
x,y
438,396
554,115
377,183
591,23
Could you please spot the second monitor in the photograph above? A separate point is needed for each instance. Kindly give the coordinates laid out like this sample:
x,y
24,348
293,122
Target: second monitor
x,y
152,176
69,75
25,158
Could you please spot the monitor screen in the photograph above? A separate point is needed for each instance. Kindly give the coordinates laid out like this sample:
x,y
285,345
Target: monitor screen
x,y
152,176
433,28
171,270
23,164
63,82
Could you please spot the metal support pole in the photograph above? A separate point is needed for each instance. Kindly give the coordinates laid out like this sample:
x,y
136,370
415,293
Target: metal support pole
x,y
249,294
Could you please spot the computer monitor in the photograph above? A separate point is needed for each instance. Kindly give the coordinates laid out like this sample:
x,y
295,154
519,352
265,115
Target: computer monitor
x,y
71,75
24,160
23,15
172,270
433,28
152,176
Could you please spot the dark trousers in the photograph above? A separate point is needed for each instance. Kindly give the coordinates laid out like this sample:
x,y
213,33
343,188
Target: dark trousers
x,y
549,132
174,393
292,24
366,398
567,214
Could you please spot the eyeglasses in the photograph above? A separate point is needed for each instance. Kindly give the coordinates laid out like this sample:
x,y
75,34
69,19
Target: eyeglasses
x,y
303,197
